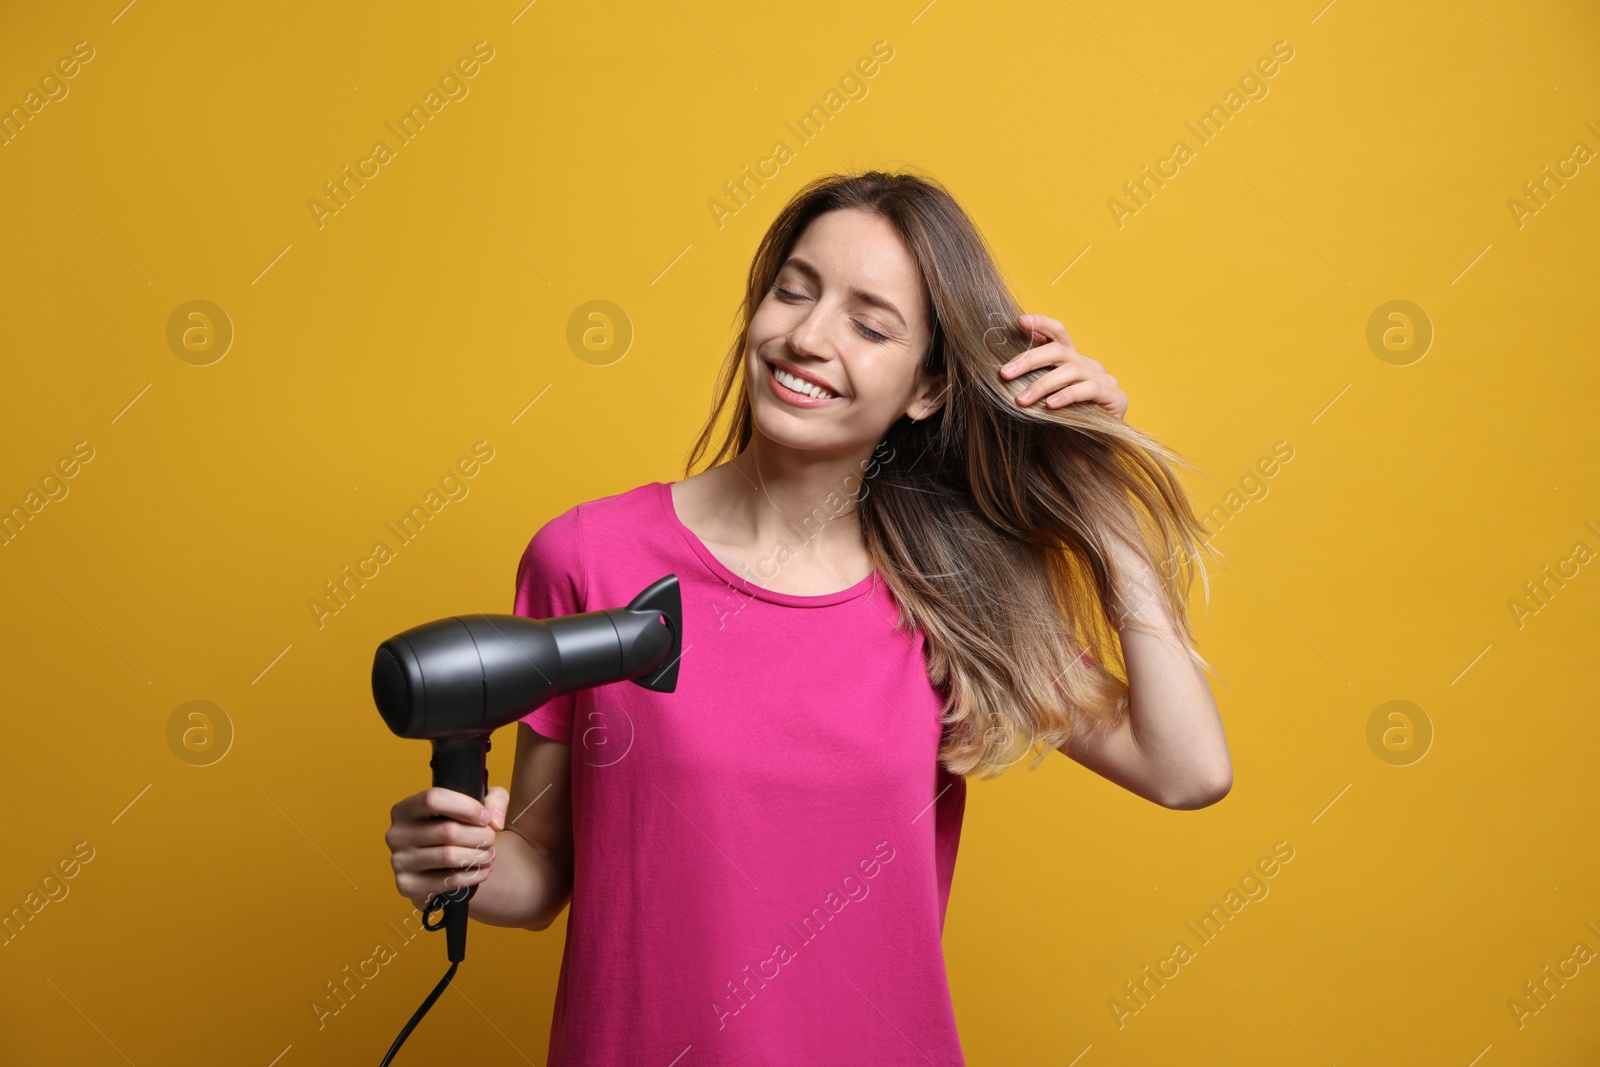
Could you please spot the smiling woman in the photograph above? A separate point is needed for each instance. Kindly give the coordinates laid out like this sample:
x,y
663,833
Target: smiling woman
x,y
929,570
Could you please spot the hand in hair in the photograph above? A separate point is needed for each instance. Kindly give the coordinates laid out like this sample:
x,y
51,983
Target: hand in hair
x,y
1076,378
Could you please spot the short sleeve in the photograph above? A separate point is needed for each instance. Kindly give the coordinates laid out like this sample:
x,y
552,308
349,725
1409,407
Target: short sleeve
x,y
551,581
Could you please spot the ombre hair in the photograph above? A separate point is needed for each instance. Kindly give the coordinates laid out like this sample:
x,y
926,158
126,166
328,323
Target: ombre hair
x,y
991,523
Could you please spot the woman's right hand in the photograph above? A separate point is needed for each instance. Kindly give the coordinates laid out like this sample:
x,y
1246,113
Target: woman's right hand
x,y
442,840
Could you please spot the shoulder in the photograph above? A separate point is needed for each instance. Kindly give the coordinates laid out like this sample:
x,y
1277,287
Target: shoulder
x,y
624,507
605,507
561,539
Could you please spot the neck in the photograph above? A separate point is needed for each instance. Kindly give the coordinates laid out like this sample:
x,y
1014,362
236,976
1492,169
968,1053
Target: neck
x,y
774,493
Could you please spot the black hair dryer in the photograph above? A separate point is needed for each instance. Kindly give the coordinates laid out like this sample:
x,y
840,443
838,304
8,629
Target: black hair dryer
x,y
455,681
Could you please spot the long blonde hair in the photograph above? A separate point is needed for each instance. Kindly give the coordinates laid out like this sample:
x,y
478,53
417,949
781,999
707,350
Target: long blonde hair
x,y
992,523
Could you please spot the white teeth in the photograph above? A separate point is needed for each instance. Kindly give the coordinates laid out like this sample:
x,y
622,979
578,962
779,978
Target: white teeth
x,y
800,385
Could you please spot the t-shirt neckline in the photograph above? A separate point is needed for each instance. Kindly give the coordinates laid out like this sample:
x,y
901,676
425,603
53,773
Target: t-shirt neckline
x,y
726,574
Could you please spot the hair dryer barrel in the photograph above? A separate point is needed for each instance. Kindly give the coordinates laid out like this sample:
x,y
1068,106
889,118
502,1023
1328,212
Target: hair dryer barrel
x,y
474,673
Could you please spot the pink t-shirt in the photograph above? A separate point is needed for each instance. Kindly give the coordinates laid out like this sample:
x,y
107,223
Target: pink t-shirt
x,y
763,857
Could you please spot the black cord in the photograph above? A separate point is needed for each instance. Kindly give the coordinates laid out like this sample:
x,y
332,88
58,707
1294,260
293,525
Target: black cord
x,y
417,1018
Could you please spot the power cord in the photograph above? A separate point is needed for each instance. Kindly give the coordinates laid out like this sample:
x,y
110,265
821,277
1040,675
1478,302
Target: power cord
x,y
417,1018
436,903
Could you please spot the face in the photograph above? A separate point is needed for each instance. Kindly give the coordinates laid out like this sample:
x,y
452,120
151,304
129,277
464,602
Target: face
x,y
847,311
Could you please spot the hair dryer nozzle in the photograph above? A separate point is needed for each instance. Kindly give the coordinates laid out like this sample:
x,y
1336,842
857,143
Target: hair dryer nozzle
x,y
664,601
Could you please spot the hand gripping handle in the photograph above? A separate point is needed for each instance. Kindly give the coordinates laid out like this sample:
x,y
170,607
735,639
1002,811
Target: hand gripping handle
x,y
460,764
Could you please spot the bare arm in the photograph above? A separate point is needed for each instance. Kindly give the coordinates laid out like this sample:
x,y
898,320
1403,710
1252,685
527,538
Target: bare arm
x,y
1171,748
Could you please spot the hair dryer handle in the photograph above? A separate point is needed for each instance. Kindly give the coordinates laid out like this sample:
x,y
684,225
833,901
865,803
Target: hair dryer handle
x,y
461,764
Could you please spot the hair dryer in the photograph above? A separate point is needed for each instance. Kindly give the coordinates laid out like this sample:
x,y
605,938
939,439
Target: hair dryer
x,y
454,681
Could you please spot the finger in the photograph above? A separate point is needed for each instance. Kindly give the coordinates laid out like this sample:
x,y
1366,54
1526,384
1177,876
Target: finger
x,y
429,833
441,858
437,801
497,801
422,886
1046,384
1073,394
1051,328
458,879
1044,355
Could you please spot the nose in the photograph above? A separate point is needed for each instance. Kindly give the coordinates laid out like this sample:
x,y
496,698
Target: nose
x,y
809,337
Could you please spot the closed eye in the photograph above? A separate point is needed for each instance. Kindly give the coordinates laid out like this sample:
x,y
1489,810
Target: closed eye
x,y
867,332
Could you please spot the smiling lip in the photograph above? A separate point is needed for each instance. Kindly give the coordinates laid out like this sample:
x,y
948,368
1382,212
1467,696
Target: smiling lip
x,y
789,396
790,368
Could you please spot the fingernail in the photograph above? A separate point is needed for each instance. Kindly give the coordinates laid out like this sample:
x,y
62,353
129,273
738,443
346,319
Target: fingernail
x,y
1009,368
485,817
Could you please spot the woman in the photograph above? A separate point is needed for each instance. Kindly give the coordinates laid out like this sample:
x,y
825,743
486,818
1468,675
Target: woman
x,y
927,540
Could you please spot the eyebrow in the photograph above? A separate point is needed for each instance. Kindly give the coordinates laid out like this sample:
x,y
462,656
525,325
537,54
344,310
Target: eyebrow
x,y
860,294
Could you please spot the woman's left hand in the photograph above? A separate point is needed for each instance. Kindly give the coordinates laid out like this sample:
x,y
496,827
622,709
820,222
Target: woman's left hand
x,y
1076,377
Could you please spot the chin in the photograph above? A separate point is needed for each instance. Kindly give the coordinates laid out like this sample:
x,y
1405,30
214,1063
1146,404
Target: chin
x,y
781,430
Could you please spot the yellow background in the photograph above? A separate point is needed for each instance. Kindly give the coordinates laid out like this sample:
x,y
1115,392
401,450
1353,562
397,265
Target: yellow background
x,y
371,353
